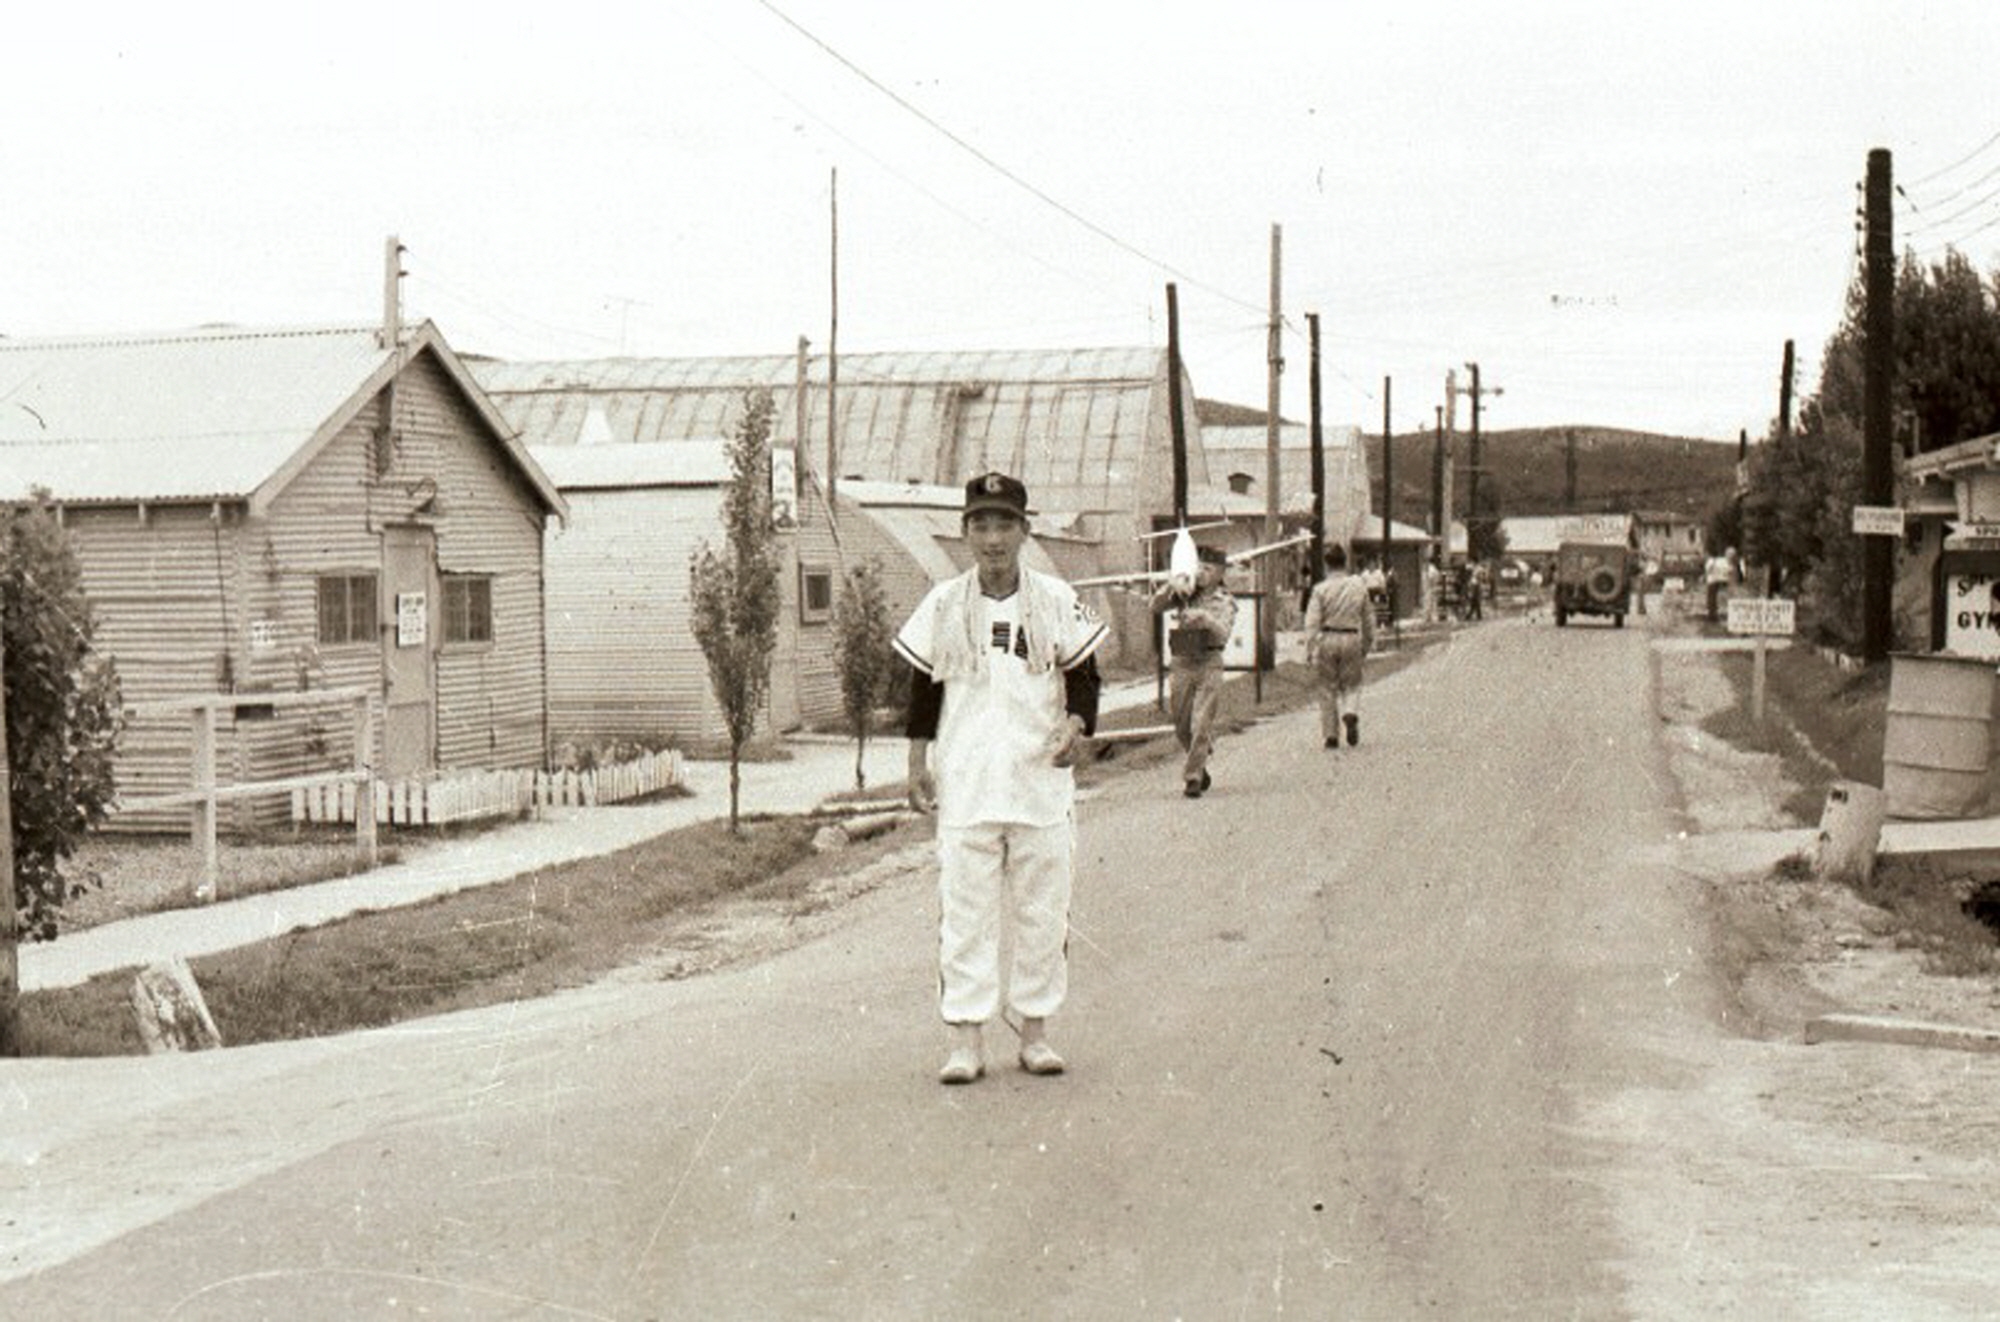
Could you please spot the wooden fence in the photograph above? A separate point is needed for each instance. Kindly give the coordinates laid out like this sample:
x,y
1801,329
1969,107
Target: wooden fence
x,y
207,792
439,798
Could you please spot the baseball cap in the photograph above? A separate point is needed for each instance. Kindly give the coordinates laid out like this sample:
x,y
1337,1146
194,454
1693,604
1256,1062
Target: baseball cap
x,y
1212,555
996,491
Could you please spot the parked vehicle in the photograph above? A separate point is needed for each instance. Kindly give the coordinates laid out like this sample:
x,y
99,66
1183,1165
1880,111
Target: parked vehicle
x,y
1594,578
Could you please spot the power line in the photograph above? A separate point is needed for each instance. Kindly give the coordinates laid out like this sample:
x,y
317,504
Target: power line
x,y
1955,164
995,166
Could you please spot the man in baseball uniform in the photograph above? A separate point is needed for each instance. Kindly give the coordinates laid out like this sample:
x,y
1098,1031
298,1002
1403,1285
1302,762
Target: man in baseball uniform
x,y
1004,691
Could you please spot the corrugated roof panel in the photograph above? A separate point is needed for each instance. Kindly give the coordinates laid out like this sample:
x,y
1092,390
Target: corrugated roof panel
x,y
199,414
640,464
892,409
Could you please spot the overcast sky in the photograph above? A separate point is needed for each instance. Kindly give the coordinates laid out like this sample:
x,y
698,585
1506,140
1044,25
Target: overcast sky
x,y
1621,212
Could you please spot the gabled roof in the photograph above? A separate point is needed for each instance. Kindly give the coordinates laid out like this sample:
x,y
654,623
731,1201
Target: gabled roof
x,y
633,467
202,415
1072,424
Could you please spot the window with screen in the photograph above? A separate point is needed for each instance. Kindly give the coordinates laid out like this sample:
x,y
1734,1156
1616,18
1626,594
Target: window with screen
x,y
468,608
346,608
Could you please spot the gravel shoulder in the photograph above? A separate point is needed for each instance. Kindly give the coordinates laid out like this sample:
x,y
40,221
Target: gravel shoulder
x,y
1846,1179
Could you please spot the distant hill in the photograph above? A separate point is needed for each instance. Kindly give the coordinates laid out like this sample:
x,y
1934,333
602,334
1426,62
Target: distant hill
x,y
1616,470
1526,471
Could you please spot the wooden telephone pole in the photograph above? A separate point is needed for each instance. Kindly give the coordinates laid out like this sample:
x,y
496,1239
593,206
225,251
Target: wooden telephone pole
x,y
1176,409
1878,372
1316,558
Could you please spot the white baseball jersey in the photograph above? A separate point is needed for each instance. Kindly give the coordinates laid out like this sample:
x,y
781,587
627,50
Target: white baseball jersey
x,y
997,730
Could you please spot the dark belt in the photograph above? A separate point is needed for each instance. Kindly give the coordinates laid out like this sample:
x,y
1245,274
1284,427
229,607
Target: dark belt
x,y
1339,628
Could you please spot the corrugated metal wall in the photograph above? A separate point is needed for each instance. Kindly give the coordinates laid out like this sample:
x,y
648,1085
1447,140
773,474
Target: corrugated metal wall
x,y
623,660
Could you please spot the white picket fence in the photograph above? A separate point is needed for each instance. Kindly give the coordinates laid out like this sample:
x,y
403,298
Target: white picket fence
x,y
465,796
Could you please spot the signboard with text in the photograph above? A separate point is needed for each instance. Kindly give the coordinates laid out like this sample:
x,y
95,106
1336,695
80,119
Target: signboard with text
x,y
1970,624
412,619
1878,520
1763,615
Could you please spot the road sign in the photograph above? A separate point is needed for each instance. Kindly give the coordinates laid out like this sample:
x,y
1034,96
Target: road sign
x,y
1972,536
1878,520
1762,615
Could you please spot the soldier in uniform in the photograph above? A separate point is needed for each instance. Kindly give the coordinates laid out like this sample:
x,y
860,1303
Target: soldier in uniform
x,y
1206,615
1005,690
1339,628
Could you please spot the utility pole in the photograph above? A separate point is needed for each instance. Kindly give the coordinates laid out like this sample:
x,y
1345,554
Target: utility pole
x,y
1316,559
1176,410
1275,364
1450,458
833,337
1878,367
1267,569
1476,464
1785,396
1388,472
1437,475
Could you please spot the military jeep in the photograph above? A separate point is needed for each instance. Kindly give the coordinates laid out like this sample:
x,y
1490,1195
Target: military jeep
x,y
1593,578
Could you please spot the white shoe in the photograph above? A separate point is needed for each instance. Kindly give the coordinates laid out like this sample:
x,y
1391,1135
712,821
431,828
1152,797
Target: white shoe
x,y
1037,1056
961,1066
1040,1058
963,1063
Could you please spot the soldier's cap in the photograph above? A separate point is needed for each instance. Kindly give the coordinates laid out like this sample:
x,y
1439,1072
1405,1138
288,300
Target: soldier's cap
x,y
1212,555
996,491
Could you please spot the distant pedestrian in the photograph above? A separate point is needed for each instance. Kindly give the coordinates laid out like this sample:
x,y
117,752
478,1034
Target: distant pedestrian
x,y
1204,619
1340,629
1716,576
1006,686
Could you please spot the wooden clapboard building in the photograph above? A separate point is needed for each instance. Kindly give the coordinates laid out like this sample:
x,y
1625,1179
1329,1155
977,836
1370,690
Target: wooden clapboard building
x,y
270,511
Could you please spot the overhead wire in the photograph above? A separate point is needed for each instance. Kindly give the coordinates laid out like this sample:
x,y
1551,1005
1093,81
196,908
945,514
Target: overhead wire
x,y
989,162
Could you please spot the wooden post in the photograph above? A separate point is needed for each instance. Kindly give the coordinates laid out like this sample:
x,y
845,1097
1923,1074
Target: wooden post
x,y
10,967
1757,674
204,806
364,788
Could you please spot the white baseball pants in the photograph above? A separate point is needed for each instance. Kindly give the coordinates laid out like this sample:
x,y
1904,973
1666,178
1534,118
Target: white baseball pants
x,y
987,874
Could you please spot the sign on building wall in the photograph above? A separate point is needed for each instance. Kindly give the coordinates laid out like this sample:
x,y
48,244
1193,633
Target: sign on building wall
x,y
412,620
784,488
1970,625
263,637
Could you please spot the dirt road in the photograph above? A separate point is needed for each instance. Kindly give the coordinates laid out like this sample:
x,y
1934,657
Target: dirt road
x,y
1424,1028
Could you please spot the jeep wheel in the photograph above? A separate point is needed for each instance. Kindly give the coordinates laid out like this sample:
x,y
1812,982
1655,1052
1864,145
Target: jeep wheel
x,y
1617,621
1562,617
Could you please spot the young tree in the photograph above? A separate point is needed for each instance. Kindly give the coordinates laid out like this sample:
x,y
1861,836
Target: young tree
x,y
861,641
735,591
63,719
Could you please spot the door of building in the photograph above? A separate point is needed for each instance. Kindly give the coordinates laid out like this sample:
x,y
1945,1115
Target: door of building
x,y
409,712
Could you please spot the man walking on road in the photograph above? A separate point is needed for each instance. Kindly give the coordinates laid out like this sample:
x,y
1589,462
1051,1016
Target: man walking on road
x,y
1205,617
1006,687
1339,629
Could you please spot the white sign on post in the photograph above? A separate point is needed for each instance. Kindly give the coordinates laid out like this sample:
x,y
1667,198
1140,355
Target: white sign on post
x,y
412,619
1878,520
1763,616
